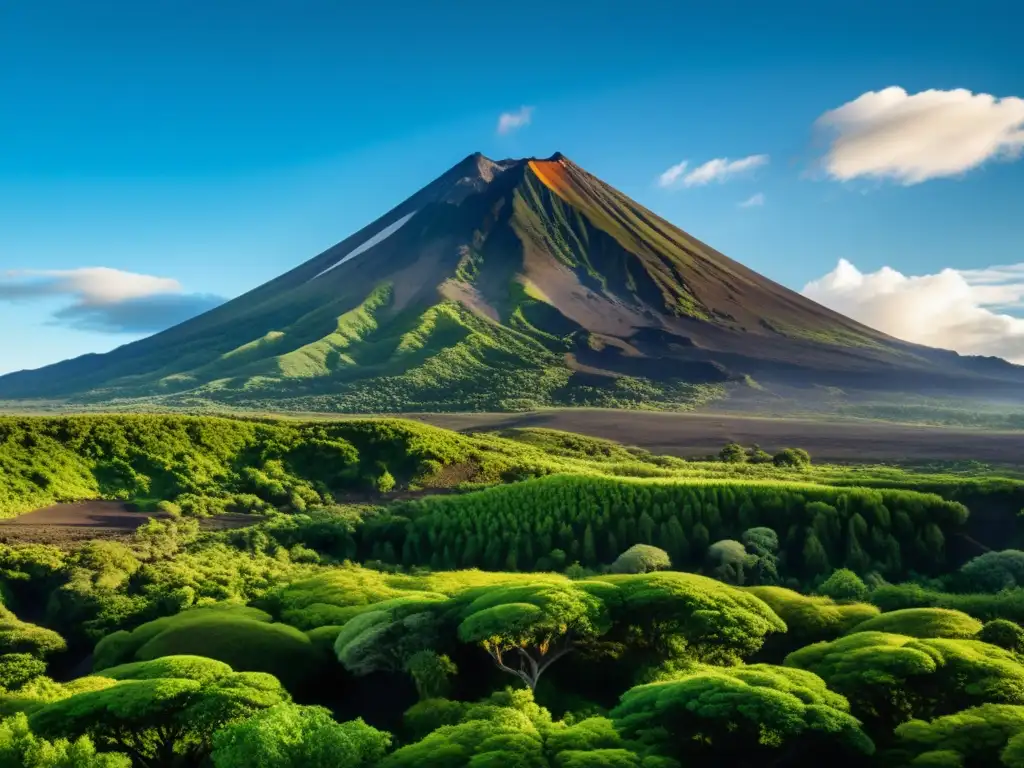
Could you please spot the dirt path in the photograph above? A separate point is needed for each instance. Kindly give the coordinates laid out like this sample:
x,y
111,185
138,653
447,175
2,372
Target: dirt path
x,y
62,524
691,434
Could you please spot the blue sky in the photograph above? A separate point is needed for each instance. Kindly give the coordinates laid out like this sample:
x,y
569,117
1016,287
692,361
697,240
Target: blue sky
x,y
218,144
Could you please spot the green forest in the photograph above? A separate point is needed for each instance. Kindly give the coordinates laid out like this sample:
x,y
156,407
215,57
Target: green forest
x,y
402,595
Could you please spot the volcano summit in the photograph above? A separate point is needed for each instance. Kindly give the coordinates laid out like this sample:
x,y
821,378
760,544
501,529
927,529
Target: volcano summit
x,y
504,286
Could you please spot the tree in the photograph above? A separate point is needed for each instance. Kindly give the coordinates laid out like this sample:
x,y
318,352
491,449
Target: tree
x,y
890,679
727,559
762,544
1003,633
507,730
994,571
292,736
843,584
761,541
527,628
978,736
385,640
757,455
431,673
671,615
244,638
923,622
17,636
20,748
591,743
797,458
162,712
742,716
809,618
733,453
814,555
641,558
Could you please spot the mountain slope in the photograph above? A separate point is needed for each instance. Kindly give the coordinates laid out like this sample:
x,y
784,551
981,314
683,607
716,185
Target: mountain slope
x,y
506,285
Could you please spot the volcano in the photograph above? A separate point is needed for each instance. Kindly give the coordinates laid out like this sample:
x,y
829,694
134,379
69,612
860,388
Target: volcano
x,y
506,285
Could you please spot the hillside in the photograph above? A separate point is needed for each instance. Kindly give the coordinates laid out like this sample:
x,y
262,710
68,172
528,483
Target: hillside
x,y
506,286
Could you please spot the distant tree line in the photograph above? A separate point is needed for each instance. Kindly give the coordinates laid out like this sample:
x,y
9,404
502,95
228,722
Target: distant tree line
x,y
546,523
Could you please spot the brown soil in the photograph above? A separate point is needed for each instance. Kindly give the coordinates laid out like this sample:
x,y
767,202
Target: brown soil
x,y
65,524
691,435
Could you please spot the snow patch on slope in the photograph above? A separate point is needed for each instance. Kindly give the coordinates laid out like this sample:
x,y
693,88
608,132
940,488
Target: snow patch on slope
x,y
380,237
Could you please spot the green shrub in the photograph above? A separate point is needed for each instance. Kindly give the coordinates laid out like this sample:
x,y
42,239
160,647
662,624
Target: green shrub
x,y
20,748
16,669
810,619
168,508
994,571
843,584
890,678
17,636
121,647
244,644
428,715
922,622
732,453
1003,633
792,457
641,558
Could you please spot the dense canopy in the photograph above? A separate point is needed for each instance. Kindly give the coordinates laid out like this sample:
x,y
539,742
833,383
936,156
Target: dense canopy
x,y
389,594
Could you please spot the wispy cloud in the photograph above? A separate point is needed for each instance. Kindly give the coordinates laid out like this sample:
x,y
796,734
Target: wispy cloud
x,y
107,300
910,138
720,169
953,309
754,201
513,121
671,176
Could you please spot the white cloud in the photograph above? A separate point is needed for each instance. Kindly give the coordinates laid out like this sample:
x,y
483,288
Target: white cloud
x,y
911,138
954,309
513,121
671,176
107,300
90,285
754,201
721,169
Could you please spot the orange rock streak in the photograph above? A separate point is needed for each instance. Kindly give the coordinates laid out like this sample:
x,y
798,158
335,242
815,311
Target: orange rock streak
x,y
554,176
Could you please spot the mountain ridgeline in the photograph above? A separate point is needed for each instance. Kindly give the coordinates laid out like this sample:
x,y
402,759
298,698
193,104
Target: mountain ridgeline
x,y
507,286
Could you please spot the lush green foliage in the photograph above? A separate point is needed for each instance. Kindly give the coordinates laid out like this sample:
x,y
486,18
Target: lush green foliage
x,y
159,713
516,527
663,603
843,584
923,622
993,571
17,637
290,736
809,618
978,736
242,637
1003,633
744,716
641,558
20,748
892,678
